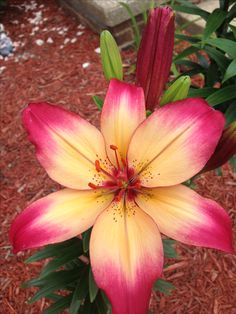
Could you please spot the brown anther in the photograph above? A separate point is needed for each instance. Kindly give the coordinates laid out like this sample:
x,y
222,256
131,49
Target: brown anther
x,y
113,147
97,165
92,186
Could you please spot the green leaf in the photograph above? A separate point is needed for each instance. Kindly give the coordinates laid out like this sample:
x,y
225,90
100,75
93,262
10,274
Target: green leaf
x,y
233,29
60,261
231,14
190,64
86,238
54,250
191,39
163,286
194,10
222,95
214,21
201,92
101,305
177,91
230,113
111,58
54,281
228,46
230,71
93,288
87,307
60,305
218,57
186,52
169,250
137,36
98,102
80,293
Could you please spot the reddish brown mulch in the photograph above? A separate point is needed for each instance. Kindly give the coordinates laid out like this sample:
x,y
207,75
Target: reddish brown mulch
x,y
205,279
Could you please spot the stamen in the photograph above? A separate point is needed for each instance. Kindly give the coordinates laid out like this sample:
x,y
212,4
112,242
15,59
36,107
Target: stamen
x,y
97,165
93,186
99,168
124,162
113,147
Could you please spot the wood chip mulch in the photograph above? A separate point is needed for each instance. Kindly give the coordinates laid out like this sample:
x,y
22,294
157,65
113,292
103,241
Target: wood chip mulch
x,y
55,61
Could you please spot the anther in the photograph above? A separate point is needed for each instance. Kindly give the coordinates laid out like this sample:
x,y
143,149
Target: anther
x,y
100,169
92,186
97,165
113,147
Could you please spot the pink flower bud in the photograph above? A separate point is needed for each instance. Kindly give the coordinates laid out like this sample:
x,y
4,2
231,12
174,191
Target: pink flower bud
x,y
155,54
225,149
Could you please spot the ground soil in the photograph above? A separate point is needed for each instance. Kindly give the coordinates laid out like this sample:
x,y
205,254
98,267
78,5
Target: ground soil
x,y
68,72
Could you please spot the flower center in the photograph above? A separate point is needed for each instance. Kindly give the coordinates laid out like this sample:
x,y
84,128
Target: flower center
x,y
120,180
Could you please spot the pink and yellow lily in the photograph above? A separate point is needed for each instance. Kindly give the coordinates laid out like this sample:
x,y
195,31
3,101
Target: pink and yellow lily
x,y
125,181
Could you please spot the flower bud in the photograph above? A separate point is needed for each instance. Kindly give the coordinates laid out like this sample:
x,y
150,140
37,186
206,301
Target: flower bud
x,y
177,91
225,149
111,59
155,54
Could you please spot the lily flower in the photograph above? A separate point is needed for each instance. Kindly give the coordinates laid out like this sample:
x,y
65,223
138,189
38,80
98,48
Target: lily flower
x,y
155,54
125,181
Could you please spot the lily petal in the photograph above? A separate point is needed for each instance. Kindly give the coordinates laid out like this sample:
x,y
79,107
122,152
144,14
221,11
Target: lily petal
x,y
66,145
175,142
184,215
126,256
57,217
123,111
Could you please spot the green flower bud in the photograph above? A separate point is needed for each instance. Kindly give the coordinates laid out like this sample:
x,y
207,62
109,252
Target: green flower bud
x,y
177,91
111,59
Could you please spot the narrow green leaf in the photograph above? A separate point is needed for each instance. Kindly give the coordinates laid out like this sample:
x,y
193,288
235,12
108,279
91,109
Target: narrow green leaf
x,y
93,288
137,36
214,21
192,10
231,14
110,55
98,102
86,238
186,52
191,39
52,282
54,250
163,286
230,71
169,250
222,95
75,302
59,306
230,113
201,92
228,46
177,91
101,305
233,29
203,61
61,261
191,64
218,57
